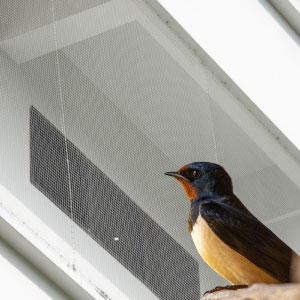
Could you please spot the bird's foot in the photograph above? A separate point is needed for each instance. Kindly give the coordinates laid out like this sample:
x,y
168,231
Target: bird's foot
x,y
226,287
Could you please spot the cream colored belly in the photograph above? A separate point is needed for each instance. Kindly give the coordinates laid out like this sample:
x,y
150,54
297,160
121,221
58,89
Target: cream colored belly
x,y
228,263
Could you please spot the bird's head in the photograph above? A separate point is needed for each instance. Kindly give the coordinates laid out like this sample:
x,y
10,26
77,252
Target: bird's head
x,y
201,178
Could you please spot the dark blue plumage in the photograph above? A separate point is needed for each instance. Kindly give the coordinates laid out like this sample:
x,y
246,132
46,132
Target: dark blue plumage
x,y
209,189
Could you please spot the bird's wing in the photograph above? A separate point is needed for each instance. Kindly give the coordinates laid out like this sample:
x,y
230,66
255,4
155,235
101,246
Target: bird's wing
x,y
247,235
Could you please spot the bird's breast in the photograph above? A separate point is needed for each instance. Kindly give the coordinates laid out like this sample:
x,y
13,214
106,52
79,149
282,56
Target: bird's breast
x,y
231,265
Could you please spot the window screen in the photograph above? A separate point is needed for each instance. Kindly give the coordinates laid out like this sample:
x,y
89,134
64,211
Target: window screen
x,y
108,215
100,98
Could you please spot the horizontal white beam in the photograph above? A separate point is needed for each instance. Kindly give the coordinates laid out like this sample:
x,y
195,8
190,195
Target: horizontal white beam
x,y
70,30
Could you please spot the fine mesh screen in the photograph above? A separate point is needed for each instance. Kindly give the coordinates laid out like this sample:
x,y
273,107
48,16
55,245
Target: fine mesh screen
x,y
257,180
116,92
109,216
20,17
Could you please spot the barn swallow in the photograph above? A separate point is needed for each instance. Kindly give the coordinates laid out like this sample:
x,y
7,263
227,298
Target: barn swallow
x,y
228,237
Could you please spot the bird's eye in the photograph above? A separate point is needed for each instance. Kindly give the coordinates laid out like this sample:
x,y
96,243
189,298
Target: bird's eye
x,y
195,173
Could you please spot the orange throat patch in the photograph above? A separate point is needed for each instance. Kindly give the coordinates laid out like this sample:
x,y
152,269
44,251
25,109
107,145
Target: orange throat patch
x,y
189,189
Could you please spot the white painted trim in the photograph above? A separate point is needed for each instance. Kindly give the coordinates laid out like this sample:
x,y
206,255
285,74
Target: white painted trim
x,y
14,217
281,144
288,9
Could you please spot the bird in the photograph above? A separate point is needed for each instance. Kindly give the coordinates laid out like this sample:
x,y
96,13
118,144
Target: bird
x,y
229,238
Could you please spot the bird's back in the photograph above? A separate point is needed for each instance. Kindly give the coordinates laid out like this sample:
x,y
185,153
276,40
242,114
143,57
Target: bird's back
x,y
236,244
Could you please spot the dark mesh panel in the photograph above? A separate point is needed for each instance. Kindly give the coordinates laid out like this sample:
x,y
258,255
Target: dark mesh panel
x,y
104,211
48,167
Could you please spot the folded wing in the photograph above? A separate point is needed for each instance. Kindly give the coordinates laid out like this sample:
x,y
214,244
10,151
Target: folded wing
x,y
244,233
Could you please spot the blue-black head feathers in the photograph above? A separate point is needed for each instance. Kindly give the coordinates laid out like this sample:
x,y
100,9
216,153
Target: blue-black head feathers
x,y
200,179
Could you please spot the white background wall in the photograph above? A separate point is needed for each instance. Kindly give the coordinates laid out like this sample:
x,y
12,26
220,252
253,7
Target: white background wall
x,y
255,47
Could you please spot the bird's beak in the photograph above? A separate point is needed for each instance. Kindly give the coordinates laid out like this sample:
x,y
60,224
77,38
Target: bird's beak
x,y
175,174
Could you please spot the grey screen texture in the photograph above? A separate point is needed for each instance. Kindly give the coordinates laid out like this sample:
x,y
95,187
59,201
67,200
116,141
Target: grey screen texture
x,y
99,98
106,213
